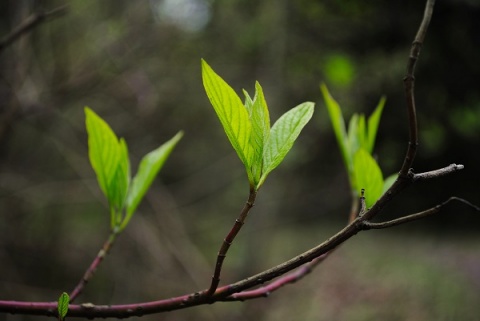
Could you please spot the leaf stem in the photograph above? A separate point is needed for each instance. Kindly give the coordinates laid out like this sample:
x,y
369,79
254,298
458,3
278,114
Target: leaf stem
x,y
93,266
227,242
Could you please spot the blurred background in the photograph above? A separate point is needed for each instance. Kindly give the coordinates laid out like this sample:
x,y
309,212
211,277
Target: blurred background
x,y
137,64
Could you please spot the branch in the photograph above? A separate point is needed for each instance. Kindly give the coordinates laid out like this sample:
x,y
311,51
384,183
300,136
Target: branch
x,y
222,253
409,83
93,267
91,311
413,217
437,173
31,22
302,271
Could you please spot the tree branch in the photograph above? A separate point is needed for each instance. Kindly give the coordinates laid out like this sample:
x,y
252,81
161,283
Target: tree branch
x,y
417,216
409,83
437,173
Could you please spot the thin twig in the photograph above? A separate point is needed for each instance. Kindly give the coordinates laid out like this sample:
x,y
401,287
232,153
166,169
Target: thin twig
x,y
93,267
413,217
438,172
227,242
31,22
298,274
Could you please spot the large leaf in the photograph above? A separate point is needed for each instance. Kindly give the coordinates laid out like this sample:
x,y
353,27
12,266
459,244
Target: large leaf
x,y
148,169
109,159
260,120
368,176
232,113
338,124
282,136
373,122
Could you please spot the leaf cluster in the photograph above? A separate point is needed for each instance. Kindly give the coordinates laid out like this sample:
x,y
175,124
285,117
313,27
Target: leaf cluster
x,y
109,159
261,148
356,146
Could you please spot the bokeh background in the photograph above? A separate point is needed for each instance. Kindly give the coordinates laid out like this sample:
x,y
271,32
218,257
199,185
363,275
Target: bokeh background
x,y
137,64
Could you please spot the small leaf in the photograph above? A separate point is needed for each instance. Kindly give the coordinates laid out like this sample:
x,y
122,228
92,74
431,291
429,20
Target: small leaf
x,y
148,169
63,301
282,136
260,120
338,125
232,114
373,122
368,176
109,158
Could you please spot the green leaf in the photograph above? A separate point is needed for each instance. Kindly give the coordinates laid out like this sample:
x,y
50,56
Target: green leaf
x,y
63,301
248,102
353,142
109,158
148,169
373,122
232,114
260,120
368,176
282,136
338,125
362,133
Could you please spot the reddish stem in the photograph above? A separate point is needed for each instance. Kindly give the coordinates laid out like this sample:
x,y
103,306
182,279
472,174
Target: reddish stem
x,y
227,242
93,267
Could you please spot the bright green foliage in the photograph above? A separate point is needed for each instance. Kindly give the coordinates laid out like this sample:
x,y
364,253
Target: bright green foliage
x,y
63,305
368,175
260,148
356,147
148,169
282,136
109,159
231,112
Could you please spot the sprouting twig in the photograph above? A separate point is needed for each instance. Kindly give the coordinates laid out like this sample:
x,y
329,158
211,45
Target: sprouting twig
x,y
299,273
93,267
225,293
31,22
222,253
413,217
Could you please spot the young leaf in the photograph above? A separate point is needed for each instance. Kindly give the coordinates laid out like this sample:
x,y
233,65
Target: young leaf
x,y
109,159
373,122
338,124
148,169
260,120
63,305
367,176
232,114
353,142
362,133
282,136
248,102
